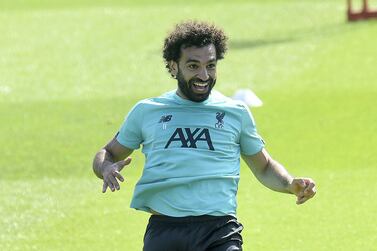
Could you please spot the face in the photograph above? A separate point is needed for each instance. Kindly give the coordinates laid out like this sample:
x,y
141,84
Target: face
x,y
196,72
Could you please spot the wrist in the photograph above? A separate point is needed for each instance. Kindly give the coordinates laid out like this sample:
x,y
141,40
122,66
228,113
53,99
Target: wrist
x,y
289,186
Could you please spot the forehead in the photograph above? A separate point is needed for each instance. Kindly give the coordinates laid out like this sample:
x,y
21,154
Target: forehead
x,y
201,54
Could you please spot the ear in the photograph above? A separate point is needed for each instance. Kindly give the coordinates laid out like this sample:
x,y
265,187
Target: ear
x,y
173,66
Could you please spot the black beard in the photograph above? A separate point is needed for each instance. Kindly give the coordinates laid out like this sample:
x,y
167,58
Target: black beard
x,y
185,87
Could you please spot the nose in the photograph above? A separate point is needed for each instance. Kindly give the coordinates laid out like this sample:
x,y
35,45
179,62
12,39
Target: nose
x,y
203,74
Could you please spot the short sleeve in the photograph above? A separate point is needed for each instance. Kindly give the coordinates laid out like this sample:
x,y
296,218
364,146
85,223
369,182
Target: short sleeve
x,y
130,134
250,141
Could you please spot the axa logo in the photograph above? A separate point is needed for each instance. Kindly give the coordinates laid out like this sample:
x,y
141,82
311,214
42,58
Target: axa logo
x,y
189,138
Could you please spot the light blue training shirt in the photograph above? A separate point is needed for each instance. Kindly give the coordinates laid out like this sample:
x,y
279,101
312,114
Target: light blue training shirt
x,y
192,153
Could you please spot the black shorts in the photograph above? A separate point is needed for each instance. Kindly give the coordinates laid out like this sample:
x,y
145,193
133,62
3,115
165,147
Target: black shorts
x,y
193,233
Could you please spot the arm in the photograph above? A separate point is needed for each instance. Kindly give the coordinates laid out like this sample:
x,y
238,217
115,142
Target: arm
x,y
109,161
274,176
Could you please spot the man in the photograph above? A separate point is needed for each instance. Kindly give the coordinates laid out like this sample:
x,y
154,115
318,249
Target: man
x,y
192,140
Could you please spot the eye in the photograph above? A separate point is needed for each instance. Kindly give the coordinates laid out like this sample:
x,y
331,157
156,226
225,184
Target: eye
x,y
211,66
192,66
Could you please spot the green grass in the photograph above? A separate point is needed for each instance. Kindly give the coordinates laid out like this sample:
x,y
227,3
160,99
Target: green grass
x,y
70,71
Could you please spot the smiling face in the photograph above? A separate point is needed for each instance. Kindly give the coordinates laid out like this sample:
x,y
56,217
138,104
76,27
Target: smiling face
x,y
195,72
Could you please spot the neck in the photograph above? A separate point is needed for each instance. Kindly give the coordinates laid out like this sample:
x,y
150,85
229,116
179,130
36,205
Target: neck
x,y
180,93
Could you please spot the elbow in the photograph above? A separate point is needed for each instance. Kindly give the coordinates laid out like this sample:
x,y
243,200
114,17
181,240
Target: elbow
x,y
264,166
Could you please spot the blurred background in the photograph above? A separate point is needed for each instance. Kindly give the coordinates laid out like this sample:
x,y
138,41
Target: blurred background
x,y
71,70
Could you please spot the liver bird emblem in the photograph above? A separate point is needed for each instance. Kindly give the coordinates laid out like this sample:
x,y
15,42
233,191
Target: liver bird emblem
x,y
220,121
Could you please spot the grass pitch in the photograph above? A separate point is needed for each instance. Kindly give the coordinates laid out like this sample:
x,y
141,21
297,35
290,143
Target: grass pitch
x,y
70,71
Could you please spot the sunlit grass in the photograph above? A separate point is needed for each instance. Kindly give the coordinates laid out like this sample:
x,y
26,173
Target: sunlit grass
x,y
70,71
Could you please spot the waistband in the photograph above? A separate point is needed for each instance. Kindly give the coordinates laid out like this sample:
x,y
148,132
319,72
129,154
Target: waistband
x,y
189,219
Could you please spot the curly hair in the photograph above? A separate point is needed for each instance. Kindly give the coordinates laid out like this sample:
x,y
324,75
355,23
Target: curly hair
x,y
193,33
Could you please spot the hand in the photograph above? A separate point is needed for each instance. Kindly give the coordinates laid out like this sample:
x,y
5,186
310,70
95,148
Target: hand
x,y
111,173
303,188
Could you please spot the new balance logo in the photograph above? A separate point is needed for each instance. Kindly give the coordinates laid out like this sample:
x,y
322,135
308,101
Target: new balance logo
x,y
165,119
189,138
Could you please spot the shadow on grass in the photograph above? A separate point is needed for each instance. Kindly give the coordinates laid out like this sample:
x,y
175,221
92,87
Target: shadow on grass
x,y
250,44
309,33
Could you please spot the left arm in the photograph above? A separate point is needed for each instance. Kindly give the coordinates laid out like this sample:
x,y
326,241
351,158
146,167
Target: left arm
x,y
274,176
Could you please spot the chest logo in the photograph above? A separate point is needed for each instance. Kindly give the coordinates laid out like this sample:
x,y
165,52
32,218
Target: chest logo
x,y
220,122
189,138
164,120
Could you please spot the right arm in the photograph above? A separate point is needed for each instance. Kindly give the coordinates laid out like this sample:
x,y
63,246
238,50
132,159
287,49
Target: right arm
x,y
109,161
